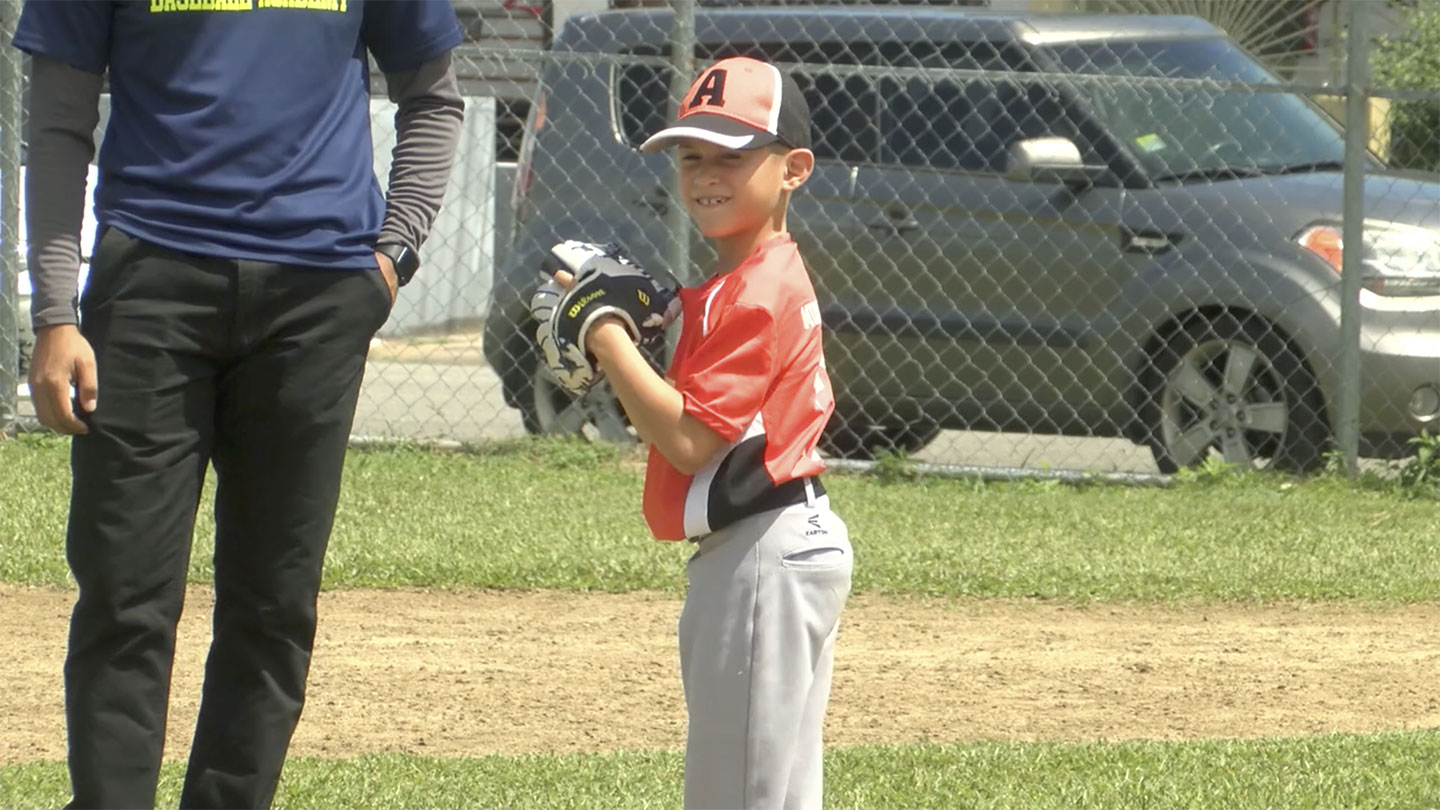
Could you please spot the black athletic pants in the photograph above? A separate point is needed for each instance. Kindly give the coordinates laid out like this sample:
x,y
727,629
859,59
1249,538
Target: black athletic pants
x,y
253,367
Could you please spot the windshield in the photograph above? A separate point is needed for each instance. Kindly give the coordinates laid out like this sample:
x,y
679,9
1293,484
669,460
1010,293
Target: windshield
x,y
1177,132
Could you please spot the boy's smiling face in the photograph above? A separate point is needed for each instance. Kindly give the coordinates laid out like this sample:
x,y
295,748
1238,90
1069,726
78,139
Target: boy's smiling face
x,y
737,193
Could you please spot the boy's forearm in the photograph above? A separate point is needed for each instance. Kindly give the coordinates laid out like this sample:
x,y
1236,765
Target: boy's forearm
x,y
654,407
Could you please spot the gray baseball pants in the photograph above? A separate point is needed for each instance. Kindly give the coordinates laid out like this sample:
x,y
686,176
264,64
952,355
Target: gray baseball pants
x,y
757,647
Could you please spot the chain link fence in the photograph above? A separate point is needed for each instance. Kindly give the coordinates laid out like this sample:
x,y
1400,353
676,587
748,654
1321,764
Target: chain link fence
x,y
13,321
1057,244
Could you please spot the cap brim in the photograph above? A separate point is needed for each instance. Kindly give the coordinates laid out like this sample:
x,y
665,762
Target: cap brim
x,y
719,130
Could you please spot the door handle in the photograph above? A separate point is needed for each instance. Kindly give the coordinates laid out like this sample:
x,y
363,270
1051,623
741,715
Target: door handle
x,y
656,199
896,222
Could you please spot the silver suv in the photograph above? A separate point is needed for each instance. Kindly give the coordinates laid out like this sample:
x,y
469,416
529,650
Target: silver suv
x,y
1052,233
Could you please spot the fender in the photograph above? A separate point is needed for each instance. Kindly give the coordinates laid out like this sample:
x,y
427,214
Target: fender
x,y
1296,292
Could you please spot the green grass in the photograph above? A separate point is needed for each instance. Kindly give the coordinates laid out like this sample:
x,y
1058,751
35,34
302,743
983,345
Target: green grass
x,y
562,515
1370,771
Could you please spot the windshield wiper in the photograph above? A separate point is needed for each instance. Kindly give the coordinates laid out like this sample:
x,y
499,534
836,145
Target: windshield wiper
x,y
1215,173
1305,168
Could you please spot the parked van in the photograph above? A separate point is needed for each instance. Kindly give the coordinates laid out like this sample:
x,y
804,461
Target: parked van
x,y
1048,224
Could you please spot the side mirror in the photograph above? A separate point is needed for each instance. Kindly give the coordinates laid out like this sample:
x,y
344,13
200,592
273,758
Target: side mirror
x,y
1049,160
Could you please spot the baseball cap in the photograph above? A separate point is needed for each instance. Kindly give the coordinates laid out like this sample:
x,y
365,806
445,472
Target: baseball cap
x,y
740,103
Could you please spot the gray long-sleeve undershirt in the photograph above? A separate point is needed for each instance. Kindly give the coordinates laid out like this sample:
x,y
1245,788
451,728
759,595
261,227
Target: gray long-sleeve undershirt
x,y
64,111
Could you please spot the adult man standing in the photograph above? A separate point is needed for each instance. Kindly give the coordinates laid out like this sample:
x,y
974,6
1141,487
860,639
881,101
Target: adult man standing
x,y
246,257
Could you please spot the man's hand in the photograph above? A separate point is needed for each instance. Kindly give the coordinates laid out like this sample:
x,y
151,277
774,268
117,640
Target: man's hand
x,y
62,358
387,271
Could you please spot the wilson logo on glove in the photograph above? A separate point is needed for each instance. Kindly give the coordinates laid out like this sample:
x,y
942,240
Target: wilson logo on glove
x,y
579,305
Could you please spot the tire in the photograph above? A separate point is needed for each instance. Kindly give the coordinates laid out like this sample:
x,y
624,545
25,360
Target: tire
x,y
548,409
26,339
860,438
1233,386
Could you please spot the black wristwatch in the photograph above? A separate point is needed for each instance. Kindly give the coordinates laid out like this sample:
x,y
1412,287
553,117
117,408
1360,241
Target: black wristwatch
x,y
406,260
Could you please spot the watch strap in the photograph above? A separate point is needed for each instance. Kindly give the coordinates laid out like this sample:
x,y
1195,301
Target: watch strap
x,y
406,260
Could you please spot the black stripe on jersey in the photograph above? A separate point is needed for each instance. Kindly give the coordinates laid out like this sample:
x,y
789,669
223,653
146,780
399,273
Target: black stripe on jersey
x,y
741,486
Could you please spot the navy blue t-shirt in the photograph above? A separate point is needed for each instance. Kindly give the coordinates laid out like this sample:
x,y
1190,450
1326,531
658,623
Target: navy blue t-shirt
x,y
241,128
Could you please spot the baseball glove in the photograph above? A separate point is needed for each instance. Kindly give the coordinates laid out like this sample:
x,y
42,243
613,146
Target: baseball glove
x,y
607,282
567,364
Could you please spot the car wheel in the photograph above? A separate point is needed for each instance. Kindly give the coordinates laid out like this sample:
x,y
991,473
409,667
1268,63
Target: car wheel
x,y
1233,387
860,438
27,350
27,345
596,415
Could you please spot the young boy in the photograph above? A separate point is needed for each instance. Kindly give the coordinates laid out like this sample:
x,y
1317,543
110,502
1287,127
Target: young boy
x,y
732,464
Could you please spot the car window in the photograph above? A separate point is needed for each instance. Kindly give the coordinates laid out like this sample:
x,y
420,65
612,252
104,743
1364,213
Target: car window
x,y
971,125
844,116
642,94
978,55
844,109
847,111
1174,130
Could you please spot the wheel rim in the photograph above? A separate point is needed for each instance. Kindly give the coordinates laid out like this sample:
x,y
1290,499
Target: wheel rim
x,y
595,415
1224,397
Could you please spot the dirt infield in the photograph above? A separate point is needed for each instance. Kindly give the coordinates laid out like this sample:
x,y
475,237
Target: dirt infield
x,y
447,673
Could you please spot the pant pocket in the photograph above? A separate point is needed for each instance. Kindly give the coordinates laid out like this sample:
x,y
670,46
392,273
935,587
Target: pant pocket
x,y
105,266
824,556
818,541
383,286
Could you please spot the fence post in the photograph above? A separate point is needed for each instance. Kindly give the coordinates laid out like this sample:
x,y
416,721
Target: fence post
x,y
682,56
11,65
1357,133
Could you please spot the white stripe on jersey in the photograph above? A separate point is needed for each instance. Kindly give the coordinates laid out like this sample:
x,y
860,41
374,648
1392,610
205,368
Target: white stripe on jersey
x,y
705,319
697,498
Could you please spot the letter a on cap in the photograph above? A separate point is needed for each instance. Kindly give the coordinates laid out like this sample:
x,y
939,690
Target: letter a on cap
x,y
712,87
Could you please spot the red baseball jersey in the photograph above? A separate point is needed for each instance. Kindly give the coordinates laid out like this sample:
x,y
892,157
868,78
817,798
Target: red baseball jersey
x,y
751,367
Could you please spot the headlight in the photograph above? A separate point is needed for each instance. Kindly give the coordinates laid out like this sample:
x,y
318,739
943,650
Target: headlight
x,y
1395,259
